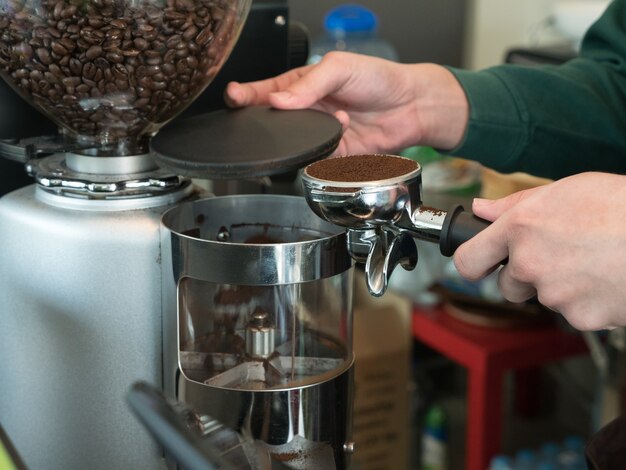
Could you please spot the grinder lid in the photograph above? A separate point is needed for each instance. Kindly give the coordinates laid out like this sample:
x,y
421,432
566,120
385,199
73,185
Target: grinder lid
x,y
246,143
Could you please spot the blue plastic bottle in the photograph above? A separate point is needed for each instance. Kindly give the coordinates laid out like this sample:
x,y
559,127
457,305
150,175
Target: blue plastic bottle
x,y
525,459
353,28
501,462
435,439
572,454
548,457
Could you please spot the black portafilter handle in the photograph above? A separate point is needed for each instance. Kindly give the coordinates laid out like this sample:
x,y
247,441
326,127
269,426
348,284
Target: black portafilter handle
x,y
458,227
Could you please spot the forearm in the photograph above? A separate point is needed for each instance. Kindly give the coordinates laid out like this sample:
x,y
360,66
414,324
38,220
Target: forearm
x,y
553,121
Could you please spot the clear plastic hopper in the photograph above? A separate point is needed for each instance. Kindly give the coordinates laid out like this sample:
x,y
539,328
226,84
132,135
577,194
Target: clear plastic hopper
x,y
110,73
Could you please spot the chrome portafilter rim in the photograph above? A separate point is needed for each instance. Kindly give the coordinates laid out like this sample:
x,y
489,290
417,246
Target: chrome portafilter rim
x,y
362,204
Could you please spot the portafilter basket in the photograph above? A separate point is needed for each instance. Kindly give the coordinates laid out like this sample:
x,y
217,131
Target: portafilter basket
x,y
378,199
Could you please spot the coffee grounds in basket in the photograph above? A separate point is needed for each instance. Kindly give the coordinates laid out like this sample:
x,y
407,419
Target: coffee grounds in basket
x,y
361,168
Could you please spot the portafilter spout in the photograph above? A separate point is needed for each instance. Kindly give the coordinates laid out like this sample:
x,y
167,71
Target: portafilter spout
x,y
378,199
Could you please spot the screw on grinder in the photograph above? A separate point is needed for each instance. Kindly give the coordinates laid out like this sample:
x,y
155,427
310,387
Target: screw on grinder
x,y
378,198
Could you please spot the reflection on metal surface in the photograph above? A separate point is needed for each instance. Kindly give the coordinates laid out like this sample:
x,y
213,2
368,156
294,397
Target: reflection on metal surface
x,y
258,323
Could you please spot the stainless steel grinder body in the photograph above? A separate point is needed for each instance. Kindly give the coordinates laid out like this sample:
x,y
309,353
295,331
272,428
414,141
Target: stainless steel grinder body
x,y
80,297
257,322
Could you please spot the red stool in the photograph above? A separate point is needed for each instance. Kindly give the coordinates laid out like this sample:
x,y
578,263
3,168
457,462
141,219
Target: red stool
x,y
488,353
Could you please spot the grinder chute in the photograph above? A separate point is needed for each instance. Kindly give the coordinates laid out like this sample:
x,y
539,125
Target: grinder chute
x,y
258,324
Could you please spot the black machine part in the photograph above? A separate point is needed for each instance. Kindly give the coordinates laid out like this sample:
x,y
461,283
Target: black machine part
x,y
246,143
168,427
458,227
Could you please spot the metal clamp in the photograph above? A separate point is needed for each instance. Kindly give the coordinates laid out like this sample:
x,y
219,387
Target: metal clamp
x,y
24,150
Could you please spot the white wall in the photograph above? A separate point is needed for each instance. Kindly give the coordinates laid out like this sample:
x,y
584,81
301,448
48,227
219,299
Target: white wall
x,y
495,26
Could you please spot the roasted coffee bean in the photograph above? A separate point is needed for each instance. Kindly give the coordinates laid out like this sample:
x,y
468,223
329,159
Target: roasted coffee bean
x,y
76,66
122,85
59,48
144,92
154,85
88,82
115,34
92,36
89,70
118,23
21,73
98,22
56,71
168,69
140,43
173,15
98,75
190,33
120,71
169,56
44,56
156,60
71,81
204,37
93,52
114,57
36,75
101,63
192,62
51,78
111,45
66,52
130,53
73,29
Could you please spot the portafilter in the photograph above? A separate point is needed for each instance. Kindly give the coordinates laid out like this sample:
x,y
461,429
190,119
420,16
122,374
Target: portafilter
x,y
378,199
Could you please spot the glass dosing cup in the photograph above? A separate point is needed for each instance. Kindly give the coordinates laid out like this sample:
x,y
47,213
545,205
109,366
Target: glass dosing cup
x,y
110,73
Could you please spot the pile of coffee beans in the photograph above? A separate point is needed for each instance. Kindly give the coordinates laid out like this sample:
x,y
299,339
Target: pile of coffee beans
x,y
114,70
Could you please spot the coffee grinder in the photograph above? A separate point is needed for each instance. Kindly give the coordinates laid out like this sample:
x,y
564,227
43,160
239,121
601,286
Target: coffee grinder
x,y
81,258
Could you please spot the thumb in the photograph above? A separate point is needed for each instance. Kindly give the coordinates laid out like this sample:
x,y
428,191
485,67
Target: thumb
x,y
493,209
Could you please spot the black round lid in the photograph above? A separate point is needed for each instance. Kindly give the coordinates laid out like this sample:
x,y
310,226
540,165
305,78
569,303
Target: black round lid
x,y
246,143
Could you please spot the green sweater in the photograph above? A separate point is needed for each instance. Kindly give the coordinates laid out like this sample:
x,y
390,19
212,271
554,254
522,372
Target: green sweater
x,y
553,121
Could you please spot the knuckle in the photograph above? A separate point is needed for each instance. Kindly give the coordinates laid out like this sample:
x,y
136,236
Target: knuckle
x,y
583,318
552,299
464,265
522,270
333,57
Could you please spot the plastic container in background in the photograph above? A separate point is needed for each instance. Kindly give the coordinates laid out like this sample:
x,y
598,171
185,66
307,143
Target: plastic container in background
x,y
572,454
501,462
352,28
435,439
525,459
547,457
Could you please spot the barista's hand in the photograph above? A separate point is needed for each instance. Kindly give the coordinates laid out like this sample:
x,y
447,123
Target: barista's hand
x,y
565,243
383,106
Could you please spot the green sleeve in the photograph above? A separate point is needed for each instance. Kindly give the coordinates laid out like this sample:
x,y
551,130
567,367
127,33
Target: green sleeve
x,y
553,121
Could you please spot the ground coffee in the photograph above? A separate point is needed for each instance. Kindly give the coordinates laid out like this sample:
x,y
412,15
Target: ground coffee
x,y
361,168
113,69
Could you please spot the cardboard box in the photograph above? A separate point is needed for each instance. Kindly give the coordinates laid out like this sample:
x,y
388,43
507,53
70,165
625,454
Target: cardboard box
x,y
382,345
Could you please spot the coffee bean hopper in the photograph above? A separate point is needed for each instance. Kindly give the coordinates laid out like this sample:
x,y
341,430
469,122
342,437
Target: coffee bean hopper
x,y
238,305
